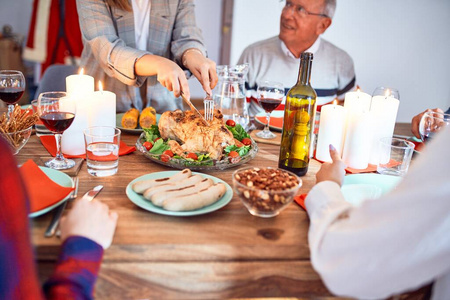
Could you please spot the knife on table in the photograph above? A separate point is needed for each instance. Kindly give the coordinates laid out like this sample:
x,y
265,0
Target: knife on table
x,y
188,102
92,193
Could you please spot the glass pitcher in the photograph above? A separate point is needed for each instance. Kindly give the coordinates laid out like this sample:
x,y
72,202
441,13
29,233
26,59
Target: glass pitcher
x,y
229,93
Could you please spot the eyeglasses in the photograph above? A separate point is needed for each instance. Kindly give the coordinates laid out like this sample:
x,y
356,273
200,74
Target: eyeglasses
x,y
300,10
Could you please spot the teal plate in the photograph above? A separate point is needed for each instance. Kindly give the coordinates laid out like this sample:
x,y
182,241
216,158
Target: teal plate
x,y
138,130
358,187
140,201
60,178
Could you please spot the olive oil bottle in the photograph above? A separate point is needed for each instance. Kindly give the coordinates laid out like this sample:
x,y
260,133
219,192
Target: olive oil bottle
x,y
298,126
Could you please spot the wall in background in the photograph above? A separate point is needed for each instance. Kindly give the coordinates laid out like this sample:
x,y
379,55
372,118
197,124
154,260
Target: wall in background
x,y
403,44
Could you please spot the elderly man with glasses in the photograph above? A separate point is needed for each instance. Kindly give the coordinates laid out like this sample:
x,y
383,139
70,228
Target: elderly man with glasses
x,y
277,58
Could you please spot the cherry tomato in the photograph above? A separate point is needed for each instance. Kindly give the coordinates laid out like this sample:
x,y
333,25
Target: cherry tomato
x,y
168,152
147,145
233,154
231,123
165,157
246,141
192,155
234,157
154,141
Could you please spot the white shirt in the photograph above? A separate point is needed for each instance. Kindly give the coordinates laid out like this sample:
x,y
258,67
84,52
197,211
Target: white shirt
x,y
313,49
389,245
141,14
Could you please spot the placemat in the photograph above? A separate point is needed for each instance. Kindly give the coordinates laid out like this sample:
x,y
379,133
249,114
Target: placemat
x,y
275,141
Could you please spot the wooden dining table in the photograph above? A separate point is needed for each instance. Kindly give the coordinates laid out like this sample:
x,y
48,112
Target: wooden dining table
x,y
227,253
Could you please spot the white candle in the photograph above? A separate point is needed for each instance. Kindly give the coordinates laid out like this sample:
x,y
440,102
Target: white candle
x,y
358,139
79,87
357,101
103,108
384,110
79,84
331,130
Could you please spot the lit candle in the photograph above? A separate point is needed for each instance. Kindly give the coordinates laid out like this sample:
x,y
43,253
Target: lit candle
x,y
79,87
79,84
331,130
358,129
103,108
358,100
384,110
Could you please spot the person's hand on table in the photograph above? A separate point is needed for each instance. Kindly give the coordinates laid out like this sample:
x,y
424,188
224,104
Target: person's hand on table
x,y
334,171
416,121
202,68
90,219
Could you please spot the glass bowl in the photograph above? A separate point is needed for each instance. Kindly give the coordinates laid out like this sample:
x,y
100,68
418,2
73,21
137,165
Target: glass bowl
x,y
17,139
265,192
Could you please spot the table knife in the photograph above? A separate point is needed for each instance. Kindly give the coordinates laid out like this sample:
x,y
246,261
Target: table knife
x,y
194,109
92,193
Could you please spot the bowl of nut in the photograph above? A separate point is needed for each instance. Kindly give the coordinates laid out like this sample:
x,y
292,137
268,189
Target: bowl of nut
x,y
265,192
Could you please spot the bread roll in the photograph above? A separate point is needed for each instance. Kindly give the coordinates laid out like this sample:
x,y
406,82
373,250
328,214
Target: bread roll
x,y
201,199
141,186
130,118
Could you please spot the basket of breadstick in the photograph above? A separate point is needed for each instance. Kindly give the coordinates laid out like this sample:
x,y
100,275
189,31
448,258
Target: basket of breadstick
x,y
16,128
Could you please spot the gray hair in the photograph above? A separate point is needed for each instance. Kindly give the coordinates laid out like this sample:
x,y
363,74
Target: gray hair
x,y
330,8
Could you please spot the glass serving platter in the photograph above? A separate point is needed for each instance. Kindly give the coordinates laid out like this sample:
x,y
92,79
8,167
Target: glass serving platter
x,y
205,165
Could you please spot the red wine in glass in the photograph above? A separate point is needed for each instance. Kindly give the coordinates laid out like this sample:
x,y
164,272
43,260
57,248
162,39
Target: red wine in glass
x,y
57,122
269,104
11,95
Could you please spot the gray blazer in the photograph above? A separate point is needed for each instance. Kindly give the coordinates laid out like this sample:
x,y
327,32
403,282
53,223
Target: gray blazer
x,y
109,52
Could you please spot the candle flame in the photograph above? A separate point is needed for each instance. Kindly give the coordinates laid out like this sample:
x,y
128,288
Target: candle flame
x,y
100,86
81,71
388,93
335,101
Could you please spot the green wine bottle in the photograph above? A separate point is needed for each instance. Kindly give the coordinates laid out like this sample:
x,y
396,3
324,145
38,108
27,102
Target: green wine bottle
x,y
298,125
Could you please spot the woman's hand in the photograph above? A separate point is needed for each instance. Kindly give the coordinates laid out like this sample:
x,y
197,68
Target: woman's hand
x,y
334,171
416,121
202,68
168,73
90,219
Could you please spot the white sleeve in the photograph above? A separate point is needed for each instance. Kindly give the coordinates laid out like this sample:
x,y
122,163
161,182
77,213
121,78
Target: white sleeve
x,y
388,245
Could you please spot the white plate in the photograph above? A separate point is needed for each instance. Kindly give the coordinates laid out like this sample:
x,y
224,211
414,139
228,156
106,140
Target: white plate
x,y
140,201
59,178
359,187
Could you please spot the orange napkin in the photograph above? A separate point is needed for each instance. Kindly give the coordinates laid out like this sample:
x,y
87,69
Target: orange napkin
x,y
42,191
274,121
300,200
50,144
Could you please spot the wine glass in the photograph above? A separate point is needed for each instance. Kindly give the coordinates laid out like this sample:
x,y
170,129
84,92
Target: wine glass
x,y
12,86
431,123
57,111
270,94
386,92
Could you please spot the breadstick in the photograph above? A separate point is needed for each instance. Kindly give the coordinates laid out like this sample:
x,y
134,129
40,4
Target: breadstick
x,y
172,185
195,201
141,186
159,198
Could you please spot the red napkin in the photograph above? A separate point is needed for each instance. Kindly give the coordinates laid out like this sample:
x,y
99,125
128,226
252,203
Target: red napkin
x,y
50,144
274,121
300,200
42,190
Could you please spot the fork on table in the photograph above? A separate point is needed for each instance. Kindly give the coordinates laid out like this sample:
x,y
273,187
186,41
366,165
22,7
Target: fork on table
x,y
208,104
51,229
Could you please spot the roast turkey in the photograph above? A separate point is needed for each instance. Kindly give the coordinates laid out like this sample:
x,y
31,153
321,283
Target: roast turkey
x,y
189,134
